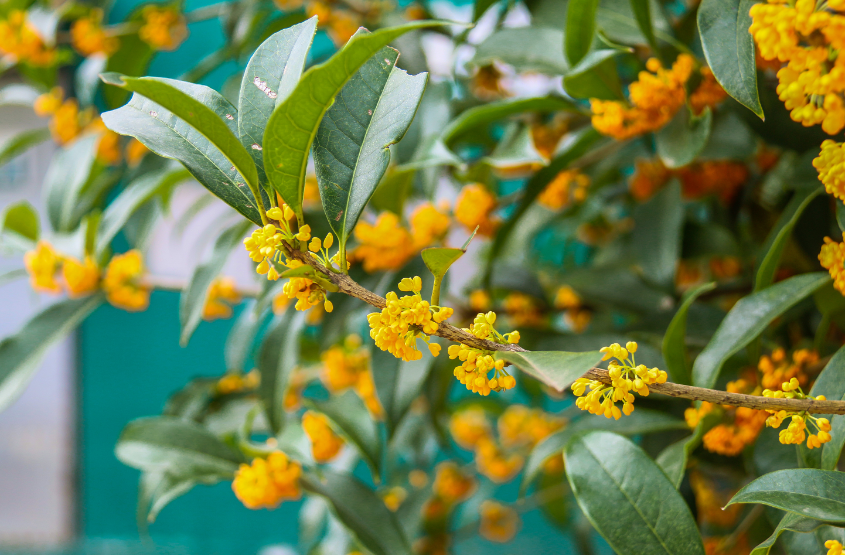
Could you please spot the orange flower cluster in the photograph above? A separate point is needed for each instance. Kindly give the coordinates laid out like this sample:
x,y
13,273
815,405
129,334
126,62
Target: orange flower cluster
x,y
451,487
832,258
325,443
777,368
712,177
43,263
546,136
349,366
654,98
19,39
340,24
429,225
499,523
739,427
122,282
567,186
477,363
523,310
267,482
66,121
222,294
236,382
810,38
830,164
475,207
709,501
709,92
163,28
88,36
575,316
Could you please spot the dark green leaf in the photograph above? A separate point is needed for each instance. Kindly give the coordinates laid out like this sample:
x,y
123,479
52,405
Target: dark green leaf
x,y
595,76
278,355
515,150
351,149
790,522
831,384
813,493
193,297
21,142
580,29
241,337
157,489
164,443
627,498
22,219
276,66
132,58
557,369
167,135
360,510
398,383
480,7
293,126
747,319
729,48
674,340
353,420
657,234
66,178
526,49
780,234
21,354
617,20
86,79
683,138
642,13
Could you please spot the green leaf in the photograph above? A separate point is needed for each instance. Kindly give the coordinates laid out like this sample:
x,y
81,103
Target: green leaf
x,y
138,192
20,218
673,459
398,383
729,48
293,126
277,357
627,498
20,143
580,29
169,136
21,353
675,338
157,489
641,421
241,337
683,139
658,230
790,522
132,58
527,49
557,369
515,149
277,66
69,172
192,301
831,384
177,97
165,443
86,78
353,420
617,20
480,7
813,493
780,234
351,149
595,76
747,319
360,510
642,13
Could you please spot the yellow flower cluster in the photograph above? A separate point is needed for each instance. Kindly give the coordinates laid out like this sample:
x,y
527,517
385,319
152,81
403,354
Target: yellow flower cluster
x,y
809,37
796,431
730,439
709,502
451,484
325,443
523,310
833,547
655,98
66,120
122,282
163,28
475,207
469,426
222,294
394,497
349,366
235,382
88,36
625,376
135,152
520,426
499,523
429,225
546,136
777,368
19,39
832,258
267,482
395,329
576,317
340,24
477,363
830,164
43,263
712,177
708,93
567,186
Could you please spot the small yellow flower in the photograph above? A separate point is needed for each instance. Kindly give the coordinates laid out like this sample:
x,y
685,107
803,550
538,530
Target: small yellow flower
x,y
163,28
474,208
222,294
830,164
81,278
20,40
394,497
469,426
428,225
267,482
325,443
833,547
832,257
88,37
451,484
499,523
387,245
42,265
122,282
47,103
566,187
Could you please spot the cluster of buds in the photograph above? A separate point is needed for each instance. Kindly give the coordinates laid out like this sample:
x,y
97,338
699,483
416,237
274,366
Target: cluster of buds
x,y
396,328
796,431
476,363
625,375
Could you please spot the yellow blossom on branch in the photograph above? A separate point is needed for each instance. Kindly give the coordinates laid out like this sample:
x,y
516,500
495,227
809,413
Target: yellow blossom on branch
x,y
268,481
566,187
830,164
474,208
163,28
42,265
476,364
88,36
469,426
222,294
325,443
452,484
833,547
428,225
387,245
499,523
81,278
832,258
20,39
122,282
47,103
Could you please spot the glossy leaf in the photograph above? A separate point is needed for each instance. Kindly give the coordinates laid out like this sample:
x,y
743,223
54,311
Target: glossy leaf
x,y
780,234
353,420
293,126
193,298
21,219
398,383
683,138
138,192
351,149
813,493
21,353
729,48
595,76
360,510
657,234
627,498
132,58
277,357
642,14
675,338
641,421
276,66
169,136
527,49
790,522
557,369
830,383
747,319
241,337
66,178
22,142
580,29
157,489
165,443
